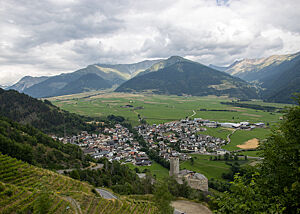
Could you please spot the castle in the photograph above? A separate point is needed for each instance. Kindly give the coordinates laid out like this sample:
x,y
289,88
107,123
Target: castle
x,y
194,180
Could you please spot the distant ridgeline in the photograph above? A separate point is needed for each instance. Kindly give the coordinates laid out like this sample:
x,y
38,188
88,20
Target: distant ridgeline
x,y
41,114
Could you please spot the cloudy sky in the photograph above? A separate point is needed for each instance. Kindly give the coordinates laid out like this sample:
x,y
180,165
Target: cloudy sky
x,y
50,37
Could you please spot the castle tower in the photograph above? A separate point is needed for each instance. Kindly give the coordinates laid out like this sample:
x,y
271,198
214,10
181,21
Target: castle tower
x,y
174,166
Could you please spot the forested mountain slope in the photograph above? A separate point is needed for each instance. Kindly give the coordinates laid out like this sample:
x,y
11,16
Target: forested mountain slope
x,y
41,114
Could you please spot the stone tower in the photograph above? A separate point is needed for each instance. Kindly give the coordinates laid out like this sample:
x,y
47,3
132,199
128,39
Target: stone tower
x,y
174,166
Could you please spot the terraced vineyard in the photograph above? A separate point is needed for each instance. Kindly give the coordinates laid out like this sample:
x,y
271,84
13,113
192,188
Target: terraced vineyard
x,y
25,188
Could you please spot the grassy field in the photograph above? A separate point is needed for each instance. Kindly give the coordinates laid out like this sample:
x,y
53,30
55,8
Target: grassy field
x,y
217,132
156,170
241,136
250,153
160,108
211,169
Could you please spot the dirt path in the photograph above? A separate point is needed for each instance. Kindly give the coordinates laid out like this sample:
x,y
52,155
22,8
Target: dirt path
x,y
194,113
228,136
189,207
74,204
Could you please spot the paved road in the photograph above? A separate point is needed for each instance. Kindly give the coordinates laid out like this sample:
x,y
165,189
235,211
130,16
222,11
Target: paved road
x,y
177,212
106,194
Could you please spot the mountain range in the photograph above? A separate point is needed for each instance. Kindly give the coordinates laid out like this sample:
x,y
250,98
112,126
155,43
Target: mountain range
x,y
179,76
278,76
273,78
93,77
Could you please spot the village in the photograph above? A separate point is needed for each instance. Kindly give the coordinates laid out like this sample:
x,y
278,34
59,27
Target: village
x,y
172,139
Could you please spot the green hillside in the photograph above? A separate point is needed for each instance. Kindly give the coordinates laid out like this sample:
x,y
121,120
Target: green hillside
x,y
86,82
31,145
191,78
42,115
28,189
283,83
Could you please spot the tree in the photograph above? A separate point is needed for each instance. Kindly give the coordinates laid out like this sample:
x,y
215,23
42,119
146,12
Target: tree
x,y
280,168
75,174
192,161
163,198
275,186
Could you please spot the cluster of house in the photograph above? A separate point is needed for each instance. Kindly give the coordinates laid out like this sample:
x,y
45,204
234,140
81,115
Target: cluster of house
x,y
175,139
113,143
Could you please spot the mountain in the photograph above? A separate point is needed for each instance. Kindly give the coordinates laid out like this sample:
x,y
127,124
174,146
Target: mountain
x,y
112,74
181,76
220,68
162,64
130,70
86,82
27,82
284,82
256,69
41,114
277,75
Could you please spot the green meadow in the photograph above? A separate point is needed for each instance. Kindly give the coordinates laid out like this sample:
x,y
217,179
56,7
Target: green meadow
x,y
156,170
210,168
241,136
157,109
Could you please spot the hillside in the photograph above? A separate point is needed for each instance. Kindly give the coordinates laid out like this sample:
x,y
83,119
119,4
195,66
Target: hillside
x,y
257,69
31,145
41,114
27,82
278,75
28,189
64,83
285,81
87,82
187,77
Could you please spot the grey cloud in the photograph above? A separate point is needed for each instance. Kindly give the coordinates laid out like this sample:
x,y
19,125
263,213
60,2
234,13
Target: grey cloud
x,y
47,37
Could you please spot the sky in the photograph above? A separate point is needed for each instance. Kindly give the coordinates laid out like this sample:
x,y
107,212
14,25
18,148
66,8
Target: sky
x,y
50,37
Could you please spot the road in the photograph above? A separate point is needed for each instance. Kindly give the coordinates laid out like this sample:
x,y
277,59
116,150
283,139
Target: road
x,y
177,212
106,194
194,113
229,135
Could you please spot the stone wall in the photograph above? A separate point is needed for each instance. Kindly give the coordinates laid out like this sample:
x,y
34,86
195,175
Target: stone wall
x,y
198,184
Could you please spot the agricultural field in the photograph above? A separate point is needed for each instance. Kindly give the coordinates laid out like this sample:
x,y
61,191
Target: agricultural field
x,y
157,109
211,169
239,137
25,188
